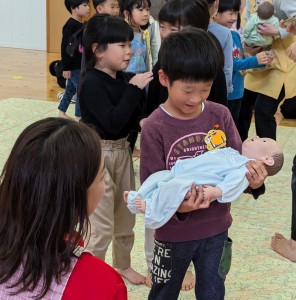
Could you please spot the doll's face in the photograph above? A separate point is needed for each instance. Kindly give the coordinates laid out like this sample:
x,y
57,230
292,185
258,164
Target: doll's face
x,y
259,148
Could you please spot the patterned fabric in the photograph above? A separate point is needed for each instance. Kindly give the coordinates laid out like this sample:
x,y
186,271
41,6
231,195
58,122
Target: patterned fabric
x,y
55,292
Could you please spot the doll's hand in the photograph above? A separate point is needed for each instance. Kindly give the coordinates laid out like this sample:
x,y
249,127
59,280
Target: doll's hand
x,y
256,174
211,193
193,200
141,80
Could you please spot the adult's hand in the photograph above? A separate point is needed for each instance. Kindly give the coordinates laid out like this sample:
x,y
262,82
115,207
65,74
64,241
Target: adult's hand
x,y
268,30
291,51
290,27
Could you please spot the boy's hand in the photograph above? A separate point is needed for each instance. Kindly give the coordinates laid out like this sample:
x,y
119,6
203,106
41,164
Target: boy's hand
x,y
256,174
193,200
141,80
264,58
66,74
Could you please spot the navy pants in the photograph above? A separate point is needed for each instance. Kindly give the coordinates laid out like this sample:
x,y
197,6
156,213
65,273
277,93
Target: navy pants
x,y
211,259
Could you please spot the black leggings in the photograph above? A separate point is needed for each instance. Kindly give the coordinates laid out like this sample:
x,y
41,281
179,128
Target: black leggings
x,y
293,186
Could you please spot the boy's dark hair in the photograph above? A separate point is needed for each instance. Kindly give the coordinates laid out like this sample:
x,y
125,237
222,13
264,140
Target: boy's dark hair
x,y
129,5
265,10
43,200
185,12
72,4
225,5
97,2
234,5
211,2
190,54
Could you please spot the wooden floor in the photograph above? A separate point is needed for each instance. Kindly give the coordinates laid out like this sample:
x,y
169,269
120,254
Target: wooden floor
x,y
24,74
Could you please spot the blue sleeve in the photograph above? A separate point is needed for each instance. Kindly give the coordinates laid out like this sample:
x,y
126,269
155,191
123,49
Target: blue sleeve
x,y
242,63
246,63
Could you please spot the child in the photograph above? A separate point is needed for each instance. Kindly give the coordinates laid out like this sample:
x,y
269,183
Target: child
x,y
137,14
111,103
110,7
221,172
224,36
173,16
264,15
189,62
71,65
47,190
227,15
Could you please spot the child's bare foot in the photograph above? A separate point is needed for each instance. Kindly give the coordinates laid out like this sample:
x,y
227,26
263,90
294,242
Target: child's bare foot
x,y
188,282
63,115
132,276
77,119
284,247
148,280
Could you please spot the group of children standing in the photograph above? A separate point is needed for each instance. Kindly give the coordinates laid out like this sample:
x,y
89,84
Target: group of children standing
x,y
117,92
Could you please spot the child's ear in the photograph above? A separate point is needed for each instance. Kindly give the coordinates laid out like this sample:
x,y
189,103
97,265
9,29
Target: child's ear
x,y
163,78
268,160
95,49
126,15
99,9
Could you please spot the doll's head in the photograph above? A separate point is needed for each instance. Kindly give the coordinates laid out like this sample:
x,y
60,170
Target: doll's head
x,y
267,151
265,10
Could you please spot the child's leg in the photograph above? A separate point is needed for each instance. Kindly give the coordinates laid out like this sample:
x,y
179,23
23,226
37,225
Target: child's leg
x,y
75,74
149,245
209,267
102,219
69,93
124,220
169,266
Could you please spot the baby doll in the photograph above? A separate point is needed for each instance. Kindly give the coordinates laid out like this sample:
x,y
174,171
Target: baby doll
x,y
221,172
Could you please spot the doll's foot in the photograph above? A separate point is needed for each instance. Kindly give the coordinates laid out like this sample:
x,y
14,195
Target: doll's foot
x,y
284,247
188,282
132,276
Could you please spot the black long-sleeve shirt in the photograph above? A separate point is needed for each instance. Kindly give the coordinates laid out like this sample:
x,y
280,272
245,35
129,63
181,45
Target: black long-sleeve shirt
x,y
112,106
70,63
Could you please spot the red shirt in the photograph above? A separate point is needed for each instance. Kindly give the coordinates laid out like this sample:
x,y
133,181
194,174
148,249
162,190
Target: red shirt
x,y
93,279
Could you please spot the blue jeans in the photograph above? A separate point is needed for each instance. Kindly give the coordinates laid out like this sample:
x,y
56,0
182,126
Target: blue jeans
x,y
70,91
171,260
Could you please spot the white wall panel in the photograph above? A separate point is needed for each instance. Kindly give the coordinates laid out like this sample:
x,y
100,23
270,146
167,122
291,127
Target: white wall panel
x,y
23,24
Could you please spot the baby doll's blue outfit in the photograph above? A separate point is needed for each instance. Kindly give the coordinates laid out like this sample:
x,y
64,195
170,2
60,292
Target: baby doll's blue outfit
x,y
165,190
